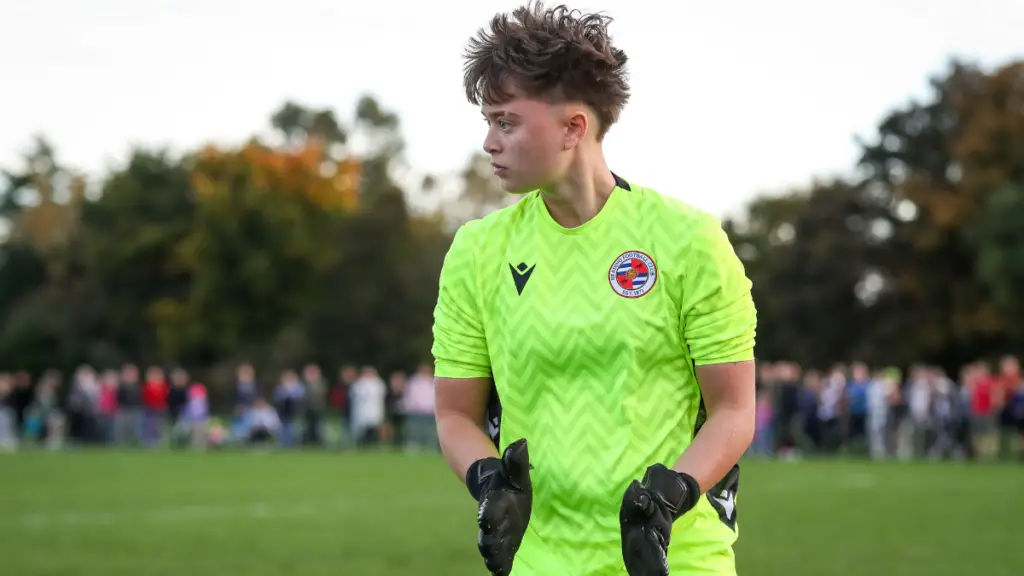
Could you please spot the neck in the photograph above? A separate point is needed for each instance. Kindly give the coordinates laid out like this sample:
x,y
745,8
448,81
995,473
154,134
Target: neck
x,y
580,195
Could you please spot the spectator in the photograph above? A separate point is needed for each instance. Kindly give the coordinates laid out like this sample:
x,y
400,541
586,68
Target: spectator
x,y
129,421
857,407
829,410
395,416
943,412
8,420
44,419
288,399
1010,378
898,414
763,444
315,404
418,403
963,445
177,399
919,403
368,396
195,415
1016,404
83,405
341,402
107,406
246,389
765,376
786,412
879,393
981,386
21,398
263,424
154,400
807,405
245,394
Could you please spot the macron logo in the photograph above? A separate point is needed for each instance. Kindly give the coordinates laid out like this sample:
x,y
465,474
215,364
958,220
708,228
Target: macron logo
x,y
521,275
727,501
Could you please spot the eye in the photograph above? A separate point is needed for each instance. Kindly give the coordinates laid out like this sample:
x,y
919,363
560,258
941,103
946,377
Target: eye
x,y
503,125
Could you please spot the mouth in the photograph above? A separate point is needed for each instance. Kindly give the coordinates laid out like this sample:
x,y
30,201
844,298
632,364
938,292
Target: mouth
x,y
498,168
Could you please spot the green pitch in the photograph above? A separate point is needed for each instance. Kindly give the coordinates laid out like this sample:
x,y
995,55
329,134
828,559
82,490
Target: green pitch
x,y
310,514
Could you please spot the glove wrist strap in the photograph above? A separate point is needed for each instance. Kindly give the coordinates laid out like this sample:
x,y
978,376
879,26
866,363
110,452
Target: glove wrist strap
x,y
690,497
481,474
678,491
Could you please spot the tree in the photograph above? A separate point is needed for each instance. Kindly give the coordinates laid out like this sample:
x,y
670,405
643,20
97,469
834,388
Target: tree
x,y
255,245
936,164
810,255
298,124
39,209
125,251
378,296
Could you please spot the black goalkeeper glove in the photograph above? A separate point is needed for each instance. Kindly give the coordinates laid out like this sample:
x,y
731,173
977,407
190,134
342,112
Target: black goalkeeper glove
x,y
648,511
502,487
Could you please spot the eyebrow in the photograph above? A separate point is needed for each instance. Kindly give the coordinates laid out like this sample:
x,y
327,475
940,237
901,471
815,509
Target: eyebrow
x,y
498,113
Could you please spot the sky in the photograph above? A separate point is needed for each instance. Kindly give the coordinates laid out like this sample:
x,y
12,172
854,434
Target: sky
x,y
731,99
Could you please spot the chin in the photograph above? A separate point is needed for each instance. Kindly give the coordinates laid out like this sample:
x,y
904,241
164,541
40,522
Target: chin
x,y
513,187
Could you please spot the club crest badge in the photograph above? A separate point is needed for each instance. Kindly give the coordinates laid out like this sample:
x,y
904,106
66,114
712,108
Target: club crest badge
x,y
633,274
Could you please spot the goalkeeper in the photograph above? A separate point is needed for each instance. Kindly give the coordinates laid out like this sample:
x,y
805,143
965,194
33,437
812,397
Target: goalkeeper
x,y
615,325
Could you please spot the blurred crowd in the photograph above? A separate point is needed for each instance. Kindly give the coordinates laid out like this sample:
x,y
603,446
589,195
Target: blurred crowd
x,y
129,408
884,414
851,410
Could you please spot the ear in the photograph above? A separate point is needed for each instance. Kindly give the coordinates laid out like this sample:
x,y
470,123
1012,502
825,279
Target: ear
x,y
577,126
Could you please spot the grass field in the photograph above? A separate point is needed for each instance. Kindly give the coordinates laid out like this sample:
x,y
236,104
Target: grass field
x,y
319,514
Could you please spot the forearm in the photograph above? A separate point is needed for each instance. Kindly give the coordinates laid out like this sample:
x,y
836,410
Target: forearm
x,y
721,441
463,442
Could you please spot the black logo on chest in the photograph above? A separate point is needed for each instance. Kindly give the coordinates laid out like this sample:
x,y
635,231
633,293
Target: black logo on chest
x,y
521,275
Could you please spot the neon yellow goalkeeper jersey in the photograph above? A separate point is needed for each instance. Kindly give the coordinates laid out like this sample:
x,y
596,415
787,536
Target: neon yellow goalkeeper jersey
x,y
591,336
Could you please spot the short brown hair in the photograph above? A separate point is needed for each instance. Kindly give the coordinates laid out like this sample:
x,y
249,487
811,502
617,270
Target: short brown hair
x,y
554,53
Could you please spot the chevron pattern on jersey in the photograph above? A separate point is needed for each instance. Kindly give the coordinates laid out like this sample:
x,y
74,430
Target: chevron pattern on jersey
x,y
601,385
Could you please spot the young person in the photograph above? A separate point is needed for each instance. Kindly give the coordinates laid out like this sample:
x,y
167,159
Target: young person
x,y
615,325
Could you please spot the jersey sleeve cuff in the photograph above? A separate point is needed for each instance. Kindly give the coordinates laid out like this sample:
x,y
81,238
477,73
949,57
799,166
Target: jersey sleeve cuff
x,y
740,356
458,370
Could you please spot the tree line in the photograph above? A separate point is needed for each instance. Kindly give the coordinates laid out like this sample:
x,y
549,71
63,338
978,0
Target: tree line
x,y
300,247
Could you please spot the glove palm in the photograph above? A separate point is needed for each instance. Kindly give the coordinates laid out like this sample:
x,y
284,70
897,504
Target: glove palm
x,y
504,492
648,511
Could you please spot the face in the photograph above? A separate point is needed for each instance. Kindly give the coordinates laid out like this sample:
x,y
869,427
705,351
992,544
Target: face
x,y
812,380
245,372
860,372
179,377
130,373
1010,366
349,374
530,142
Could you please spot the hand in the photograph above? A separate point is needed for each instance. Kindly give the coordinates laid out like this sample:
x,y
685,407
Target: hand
x,y
648,511
503,489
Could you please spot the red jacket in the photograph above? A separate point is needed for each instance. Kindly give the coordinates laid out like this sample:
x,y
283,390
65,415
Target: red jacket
x,y
154,395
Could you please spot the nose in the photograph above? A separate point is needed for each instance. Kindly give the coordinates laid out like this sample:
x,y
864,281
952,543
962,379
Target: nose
x,y
491,145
